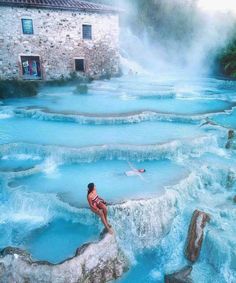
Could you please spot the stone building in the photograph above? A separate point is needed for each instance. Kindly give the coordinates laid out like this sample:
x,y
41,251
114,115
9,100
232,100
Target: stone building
x,y
51,39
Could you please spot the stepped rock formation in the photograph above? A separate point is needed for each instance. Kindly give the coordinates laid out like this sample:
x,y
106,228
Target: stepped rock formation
x,y
195,235
181,276
93,263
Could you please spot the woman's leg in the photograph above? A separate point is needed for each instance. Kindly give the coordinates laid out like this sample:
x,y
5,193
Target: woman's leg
x,y
103,217
104,221
104,209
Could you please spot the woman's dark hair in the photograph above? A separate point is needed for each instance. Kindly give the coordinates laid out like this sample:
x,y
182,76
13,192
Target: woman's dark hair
x,y
90,187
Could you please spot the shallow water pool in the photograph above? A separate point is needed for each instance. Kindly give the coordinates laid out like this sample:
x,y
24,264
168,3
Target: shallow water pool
x,y
59,240
53,145
76,135
70,181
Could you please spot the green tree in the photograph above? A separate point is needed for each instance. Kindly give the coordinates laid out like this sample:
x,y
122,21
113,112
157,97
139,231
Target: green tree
x,y
227,59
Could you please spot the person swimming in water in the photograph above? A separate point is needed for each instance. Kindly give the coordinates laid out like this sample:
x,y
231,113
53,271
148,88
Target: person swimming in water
x,y
134,171
98,205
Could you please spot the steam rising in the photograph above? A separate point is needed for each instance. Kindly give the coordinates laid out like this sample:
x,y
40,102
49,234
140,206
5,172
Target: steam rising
x,y
218,5
174,36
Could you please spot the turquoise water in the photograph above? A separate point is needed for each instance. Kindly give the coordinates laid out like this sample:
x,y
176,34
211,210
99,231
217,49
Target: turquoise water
x,y
70,181
53,145
227,120
57,234
76,135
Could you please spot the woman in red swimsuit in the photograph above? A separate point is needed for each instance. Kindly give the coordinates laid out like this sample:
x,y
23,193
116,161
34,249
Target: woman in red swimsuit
x,y
98,205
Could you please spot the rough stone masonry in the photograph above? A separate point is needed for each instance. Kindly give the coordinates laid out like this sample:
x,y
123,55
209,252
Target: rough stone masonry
x,y
57,40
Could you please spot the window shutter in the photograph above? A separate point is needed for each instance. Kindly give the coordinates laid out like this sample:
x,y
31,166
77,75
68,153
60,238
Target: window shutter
x,y
79,65
87,32
27,26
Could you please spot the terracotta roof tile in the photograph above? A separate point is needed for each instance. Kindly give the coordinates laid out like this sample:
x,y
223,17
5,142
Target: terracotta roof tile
x,y
60,4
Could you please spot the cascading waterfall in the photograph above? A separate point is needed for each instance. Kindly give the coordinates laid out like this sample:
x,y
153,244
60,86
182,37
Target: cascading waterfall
x,y
43,184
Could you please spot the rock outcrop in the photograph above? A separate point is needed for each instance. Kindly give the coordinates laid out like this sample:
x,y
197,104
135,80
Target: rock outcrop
x,y
195,235
230,180
193,247
93,263
181,276
229,143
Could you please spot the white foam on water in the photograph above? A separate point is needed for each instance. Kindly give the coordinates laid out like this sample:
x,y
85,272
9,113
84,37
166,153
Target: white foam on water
x,y
219,253
125,118
147,221
6,112
175,150
5,116
156,275
24,208
50,166
21,156
140,224
35,209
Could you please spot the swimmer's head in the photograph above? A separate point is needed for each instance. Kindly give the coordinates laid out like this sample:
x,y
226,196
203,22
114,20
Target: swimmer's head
x,y
91,187
142,170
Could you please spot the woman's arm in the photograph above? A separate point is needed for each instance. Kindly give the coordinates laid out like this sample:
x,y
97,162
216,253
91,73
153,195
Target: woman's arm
x,y
131,166
102,200
94,207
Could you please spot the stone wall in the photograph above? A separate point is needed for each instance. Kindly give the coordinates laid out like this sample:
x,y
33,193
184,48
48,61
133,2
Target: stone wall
x,y
57,40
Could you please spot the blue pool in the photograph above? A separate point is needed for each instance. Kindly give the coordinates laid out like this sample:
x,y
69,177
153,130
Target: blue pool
x,y
54,144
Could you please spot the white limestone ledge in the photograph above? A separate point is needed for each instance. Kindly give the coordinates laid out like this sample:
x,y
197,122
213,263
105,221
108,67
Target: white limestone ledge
x,y
96,262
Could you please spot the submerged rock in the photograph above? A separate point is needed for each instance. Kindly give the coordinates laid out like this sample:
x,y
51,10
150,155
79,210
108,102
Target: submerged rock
x,y
195,235
229,143
231,178
230,134
93,263
234,199
181,276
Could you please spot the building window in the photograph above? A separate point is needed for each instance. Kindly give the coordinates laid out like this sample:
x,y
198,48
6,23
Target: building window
x,y
27,26
87,32
31,68
79,65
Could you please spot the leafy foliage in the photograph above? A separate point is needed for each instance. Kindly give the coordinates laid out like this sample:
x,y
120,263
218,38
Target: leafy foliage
x,y
17,88
227,60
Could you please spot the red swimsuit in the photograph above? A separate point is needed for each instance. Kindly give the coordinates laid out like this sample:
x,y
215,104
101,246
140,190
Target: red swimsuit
x,y
97,200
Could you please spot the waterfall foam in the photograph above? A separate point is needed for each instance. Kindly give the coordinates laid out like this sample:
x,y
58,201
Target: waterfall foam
x,y
32,205
147,221
126,118
21,156
50,165
150,220
5,116
174,150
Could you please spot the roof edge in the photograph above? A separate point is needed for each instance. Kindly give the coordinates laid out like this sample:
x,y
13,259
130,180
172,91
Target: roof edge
x,y
107,7
103,8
